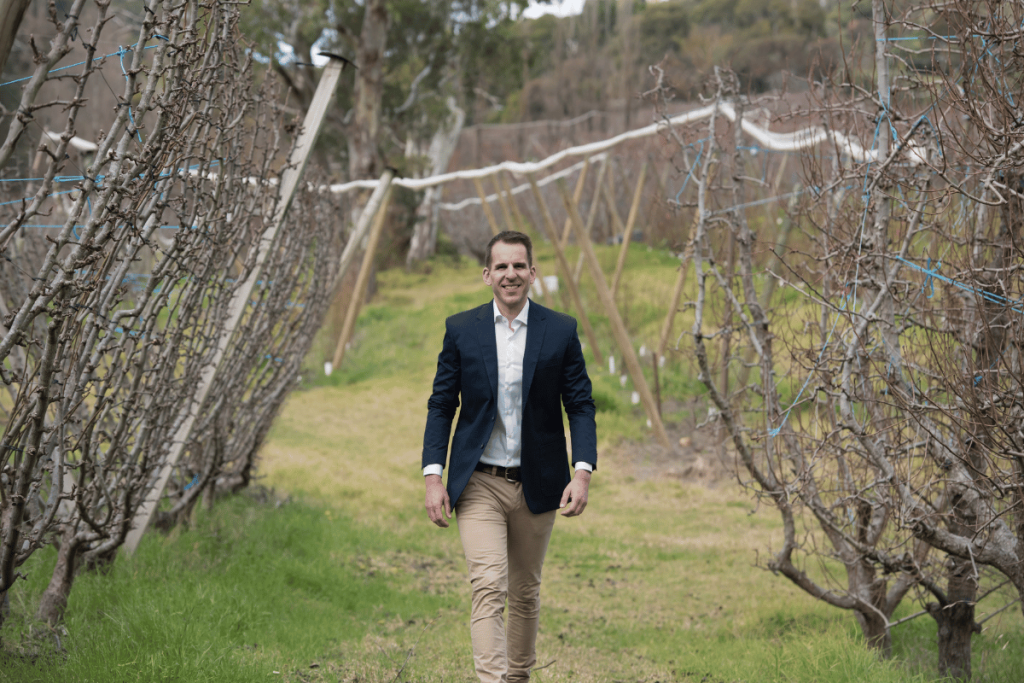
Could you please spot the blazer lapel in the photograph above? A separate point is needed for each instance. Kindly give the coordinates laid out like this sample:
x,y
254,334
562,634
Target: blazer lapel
x,y
488,345
535,328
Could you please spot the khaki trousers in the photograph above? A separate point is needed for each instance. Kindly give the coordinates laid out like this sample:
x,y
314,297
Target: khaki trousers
x,y
504,545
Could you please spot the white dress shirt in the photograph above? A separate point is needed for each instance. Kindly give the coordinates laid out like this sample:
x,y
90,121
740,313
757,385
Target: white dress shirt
x,y
505,444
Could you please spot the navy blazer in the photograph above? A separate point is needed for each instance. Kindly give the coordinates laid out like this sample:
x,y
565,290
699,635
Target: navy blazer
x,y
554,373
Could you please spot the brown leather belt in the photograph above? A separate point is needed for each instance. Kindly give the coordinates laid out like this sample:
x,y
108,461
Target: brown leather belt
x,y
506,473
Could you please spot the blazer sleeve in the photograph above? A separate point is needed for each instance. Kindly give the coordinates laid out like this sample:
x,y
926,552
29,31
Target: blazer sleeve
x,y
579,403
443,402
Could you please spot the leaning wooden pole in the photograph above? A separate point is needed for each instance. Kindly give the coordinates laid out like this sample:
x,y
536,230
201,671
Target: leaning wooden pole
x,y
362,226
242,295
577,194
677,292
591,216
506,211
516,213
627,234
359,293
609,201
542,287
574,292
618,327
491,220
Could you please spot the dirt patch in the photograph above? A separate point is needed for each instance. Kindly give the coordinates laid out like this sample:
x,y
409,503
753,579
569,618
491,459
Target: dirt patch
x,y
696,455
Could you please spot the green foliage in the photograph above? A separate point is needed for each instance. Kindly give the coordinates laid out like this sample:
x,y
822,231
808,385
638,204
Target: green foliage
x,y
760,39
662,27
605,401
541,36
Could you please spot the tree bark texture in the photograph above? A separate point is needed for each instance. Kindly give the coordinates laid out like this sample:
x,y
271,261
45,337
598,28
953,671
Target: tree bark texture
x,y
442,146
11,14
955,620
363,158
55,598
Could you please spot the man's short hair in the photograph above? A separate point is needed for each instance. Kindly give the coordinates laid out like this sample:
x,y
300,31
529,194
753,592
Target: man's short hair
x,y
511,237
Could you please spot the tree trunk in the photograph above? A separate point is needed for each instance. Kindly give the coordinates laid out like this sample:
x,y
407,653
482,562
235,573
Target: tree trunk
x,y
11,14
363,161
55,597
864,582
442,146
876,633
956,620
5,609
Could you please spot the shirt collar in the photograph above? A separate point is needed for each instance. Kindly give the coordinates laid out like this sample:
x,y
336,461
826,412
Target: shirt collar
x,y
523,314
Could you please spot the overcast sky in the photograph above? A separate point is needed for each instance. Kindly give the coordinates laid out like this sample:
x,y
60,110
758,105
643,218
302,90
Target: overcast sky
x,y
562,8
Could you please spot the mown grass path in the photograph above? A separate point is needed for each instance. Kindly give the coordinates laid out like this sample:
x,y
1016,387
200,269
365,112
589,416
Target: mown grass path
x,y
337,575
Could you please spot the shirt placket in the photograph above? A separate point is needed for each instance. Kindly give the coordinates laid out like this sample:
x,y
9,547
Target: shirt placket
x,y
507,393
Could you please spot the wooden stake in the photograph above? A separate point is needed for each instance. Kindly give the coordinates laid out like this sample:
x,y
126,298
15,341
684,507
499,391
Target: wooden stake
x,y
362,226
609,201
505,210
618,328
240,298
677,291
657,382
778,176
491,220
666,328
577,194
359,293
543,289
627,235
516,213
591,217
574,292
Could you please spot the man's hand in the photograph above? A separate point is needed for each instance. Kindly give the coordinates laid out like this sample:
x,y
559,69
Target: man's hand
x,y
574,497
438,504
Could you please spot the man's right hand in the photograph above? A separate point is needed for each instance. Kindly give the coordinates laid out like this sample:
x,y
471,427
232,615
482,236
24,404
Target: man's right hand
x,y
438,504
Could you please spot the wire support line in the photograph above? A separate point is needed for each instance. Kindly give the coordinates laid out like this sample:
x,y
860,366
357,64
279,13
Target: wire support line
x,y
51,226
94,59
1015,305
759,202
696,162
191,171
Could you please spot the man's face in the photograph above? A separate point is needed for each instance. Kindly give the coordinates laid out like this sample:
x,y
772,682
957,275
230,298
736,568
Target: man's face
x,y
509,276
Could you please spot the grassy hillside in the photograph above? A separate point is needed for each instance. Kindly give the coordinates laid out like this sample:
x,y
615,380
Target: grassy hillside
x,y
336,575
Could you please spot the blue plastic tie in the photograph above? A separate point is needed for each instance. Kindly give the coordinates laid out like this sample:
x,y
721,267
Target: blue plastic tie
x,y
796,401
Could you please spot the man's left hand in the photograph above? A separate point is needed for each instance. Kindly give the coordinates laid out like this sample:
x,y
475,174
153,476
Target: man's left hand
x,y
574,497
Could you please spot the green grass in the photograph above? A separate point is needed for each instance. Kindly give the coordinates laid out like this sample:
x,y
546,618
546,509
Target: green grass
x,y
349,582
249,590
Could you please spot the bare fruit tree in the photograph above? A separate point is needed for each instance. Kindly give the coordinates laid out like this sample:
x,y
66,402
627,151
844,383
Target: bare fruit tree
x,y
111,308
883,414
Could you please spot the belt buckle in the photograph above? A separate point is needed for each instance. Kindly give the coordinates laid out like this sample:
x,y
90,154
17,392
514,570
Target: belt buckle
x,y
509,479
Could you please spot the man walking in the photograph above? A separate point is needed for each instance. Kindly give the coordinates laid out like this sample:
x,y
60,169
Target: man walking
x,y
514,363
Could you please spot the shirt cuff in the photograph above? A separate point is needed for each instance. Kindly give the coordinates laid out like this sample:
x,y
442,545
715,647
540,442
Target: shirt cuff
x,y
584,466
433,469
